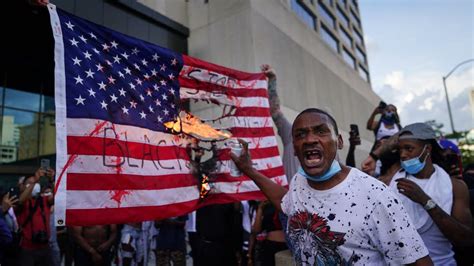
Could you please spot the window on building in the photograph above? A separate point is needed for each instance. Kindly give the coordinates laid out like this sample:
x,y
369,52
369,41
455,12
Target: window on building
x,y
358,37
329,38
346,38
303,14
361,55
28,128
354,2
355,19
363,73
329,2
326,15
342,17
348,58
342,2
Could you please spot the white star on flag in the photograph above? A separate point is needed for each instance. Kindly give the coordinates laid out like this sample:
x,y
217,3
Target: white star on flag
x,y
125,110
78,79
77,61
91,92
74,42
102,86
113,98
89,73
83,38
80,100
87,55
70,25
103,105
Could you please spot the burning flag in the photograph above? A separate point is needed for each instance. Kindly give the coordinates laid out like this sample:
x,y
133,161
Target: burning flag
x,y
118,159
189,124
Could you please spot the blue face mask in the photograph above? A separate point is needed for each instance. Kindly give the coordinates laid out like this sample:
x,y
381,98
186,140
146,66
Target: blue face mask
x,y
334,169
414,166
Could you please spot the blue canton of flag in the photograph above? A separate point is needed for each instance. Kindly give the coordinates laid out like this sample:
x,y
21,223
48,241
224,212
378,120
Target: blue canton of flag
x,y
118,78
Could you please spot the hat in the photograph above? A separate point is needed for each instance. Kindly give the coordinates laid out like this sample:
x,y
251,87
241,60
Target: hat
x,y
419,131
447,144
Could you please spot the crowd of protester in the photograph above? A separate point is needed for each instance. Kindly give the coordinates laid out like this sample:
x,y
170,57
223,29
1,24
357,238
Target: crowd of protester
x,y
411,202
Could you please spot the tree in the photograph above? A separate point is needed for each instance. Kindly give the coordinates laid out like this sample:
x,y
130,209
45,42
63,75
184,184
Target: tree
x,y
436,127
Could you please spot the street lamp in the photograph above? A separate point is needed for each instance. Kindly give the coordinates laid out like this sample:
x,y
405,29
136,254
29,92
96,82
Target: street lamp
x,y
446,90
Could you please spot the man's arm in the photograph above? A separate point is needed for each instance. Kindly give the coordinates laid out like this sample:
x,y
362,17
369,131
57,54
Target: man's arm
x,y
107,244
354,140
271,190
82,242
425,261
282,124
457,227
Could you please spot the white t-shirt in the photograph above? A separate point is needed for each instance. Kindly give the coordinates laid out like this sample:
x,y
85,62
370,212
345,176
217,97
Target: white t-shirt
x,y
359,221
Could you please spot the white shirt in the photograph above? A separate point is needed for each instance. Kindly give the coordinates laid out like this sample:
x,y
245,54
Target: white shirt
x,y
384,131
440,190
359,221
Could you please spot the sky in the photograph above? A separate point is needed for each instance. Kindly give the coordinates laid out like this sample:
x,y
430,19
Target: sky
x,y
411,45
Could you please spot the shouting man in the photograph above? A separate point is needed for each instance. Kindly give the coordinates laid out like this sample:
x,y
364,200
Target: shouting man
x,y
337,214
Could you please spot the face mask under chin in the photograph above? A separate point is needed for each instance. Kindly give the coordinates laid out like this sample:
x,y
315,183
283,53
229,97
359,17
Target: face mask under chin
x,y
415,165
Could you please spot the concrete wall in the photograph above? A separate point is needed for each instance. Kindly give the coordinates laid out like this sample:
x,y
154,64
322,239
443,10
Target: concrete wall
x,y
243,34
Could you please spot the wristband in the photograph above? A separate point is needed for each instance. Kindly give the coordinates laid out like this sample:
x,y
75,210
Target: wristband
x,y
374,156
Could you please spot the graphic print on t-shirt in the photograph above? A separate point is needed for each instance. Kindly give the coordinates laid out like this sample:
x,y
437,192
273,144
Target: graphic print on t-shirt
x,y
313,230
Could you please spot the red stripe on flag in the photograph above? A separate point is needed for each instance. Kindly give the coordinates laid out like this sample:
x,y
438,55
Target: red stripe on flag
x,y
89,217
249,132
142,151
120,148
88,182
219,90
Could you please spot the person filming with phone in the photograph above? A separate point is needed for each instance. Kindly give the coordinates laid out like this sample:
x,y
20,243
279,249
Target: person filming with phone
x,y
389,122
33,212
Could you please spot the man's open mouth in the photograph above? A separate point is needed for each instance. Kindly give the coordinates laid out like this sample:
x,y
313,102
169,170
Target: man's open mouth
x,y
313,158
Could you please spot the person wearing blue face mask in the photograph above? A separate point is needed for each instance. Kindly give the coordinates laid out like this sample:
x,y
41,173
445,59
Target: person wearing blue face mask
x,y
337,215
387,125
437,204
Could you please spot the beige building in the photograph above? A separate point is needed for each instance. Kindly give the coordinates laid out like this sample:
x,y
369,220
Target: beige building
x,y
38,141
316,48
10,139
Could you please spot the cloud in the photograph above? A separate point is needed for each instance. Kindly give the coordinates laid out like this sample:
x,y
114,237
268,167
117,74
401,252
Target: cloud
x,y
395,79
372,47
419,96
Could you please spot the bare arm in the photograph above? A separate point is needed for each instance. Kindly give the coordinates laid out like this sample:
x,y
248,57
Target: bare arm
x,y
457,227
270,189
80,240
425,261
371,124
110,241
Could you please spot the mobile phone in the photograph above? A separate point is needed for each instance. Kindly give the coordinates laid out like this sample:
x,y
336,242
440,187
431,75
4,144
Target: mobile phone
x,y
355,133
14,191
355,129
45,164
382,105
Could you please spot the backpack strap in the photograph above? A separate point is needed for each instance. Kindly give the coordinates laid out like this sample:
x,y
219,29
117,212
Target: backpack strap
x,y
30,214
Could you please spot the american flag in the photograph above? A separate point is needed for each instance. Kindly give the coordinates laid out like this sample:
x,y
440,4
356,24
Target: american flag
x,y
116,162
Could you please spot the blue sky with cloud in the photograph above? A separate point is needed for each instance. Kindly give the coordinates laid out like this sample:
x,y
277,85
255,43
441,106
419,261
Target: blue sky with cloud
x,y
411,45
